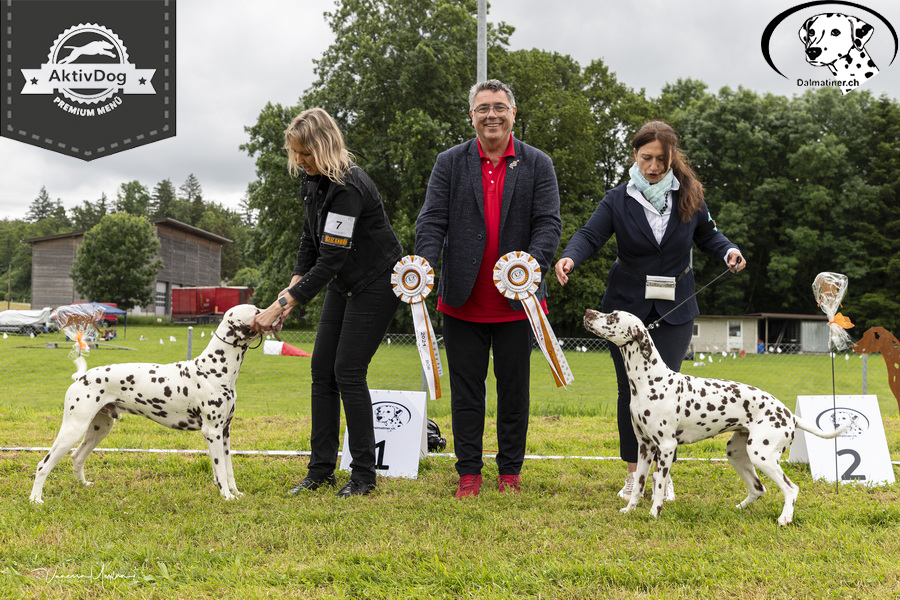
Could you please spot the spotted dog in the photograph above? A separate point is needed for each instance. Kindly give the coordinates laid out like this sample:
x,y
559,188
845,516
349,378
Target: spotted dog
x,y
837,41
669,408
191,395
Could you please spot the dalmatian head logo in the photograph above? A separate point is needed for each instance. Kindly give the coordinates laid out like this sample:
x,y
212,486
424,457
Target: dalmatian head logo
x,y
838,41
830,42
390,415
834,418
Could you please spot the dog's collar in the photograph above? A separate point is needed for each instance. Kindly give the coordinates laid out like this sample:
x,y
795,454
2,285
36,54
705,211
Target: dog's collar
x,y
236,344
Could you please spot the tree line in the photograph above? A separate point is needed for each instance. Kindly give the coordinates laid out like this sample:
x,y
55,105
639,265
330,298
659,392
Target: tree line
x,y
803,184
186,203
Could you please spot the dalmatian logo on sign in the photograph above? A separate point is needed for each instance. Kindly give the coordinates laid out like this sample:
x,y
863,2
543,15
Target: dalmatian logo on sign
x,y
88,78
840,43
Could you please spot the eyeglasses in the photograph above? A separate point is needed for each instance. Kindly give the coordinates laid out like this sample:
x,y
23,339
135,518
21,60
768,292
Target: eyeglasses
x,y
484,109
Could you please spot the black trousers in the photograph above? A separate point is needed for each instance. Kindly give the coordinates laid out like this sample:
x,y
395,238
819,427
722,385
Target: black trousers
x,y
672,341
469,347
350,330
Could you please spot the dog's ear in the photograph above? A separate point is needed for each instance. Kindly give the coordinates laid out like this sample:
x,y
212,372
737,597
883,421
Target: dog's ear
x,y
804,30
643,341
862,32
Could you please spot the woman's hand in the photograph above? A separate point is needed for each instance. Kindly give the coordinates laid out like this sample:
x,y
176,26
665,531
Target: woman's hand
x,y
563,268
735,261
269,319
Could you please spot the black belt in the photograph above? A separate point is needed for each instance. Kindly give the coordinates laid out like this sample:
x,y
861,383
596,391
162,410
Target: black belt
x,y
643,276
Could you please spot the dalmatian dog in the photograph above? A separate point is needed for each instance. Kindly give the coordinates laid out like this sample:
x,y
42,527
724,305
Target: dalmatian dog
x,y
837,41
669,408
97,48
191,395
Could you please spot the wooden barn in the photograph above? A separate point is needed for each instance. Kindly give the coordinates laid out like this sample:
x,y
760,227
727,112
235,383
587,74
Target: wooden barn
x,y
191,257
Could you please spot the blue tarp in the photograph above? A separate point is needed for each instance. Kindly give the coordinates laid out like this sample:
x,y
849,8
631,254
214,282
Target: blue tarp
x,y
107,309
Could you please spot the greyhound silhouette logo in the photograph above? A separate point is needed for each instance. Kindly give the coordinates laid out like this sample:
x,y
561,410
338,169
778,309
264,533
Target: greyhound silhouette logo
x,y
88,64
88,78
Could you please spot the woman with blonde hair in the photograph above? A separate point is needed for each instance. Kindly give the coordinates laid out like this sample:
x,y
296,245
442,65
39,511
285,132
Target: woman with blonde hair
x,y
657,216
349,248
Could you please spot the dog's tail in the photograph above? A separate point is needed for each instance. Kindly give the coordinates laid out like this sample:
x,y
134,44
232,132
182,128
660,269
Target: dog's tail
x,y
81,366
807,426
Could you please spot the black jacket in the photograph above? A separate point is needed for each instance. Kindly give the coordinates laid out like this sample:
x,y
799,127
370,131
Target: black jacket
x,y
347,239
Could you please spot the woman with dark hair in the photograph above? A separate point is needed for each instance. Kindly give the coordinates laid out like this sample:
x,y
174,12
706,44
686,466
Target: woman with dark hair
x,y
657,216
349,248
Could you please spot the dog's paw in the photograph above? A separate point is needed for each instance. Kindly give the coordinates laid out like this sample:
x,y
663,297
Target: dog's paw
x,y
36,499
626,509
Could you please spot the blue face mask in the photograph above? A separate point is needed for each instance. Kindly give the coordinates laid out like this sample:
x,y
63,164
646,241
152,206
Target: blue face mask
x,y
655,193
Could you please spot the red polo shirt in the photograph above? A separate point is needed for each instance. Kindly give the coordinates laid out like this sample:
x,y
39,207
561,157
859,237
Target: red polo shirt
x,y
486,304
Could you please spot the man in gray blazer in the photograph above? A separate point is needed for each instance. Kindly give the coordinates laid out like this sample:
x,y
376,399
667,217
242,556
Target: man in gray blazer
x,y
486,197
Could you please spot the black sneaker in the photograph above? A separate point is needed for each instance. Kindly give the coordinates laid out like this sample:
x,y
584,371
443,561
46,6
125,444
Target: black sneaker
x,y
356,488
311,484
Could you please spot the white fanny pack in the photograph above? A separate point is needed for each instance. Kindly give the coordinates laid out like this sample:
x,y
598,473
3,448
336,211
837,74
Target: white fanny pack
x,y
660,288
656,287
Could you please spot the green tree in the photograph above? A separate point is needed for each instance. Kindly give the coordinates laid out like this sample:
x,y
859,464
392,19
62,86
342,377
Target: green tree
x,y
88,214
117,261
192,205
227,223
41,207
134,198
164,200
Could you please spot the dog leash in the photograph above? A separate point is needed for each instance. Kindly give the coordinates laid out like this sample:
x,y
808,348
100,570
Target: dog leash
x,y
656,323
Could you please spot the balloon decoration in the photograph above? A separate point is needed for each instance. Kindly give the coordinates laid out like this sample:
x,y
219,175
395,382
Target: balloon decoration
x,y
413,280
79,323
517,275
829,290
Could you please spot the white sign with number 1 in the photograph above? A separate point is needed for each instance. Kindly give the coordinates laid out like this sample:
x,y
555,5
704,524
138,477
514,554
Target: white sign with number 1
x,y
401,436
862,453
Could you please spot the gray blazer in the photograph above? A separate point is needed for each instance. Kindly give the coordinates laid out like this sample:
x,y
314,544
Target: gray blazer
x,y
451,224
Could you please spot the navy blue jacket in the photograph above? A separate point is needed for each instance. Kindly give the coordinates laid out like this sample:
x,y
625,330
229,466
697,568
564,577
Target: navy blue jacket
x,y
451,223
637,247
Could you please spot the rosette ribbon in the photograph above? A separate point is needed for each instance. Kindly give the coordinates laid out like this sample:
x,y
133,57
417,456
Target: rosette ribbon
x,y
517,275
413,280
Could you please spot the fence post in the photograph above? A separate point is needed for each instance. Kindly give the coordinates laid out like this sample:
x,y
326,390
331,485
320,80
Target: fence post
x,y
865,374
190,340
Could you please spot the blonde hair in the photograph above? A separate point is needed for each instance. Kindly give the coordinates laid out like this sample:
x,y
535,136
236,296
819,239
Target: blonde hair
x,y
315,131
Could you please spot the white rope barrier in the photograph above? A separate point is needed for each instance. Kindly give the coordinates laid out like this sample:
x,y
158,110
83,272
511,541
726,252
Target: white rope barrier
x,y
307,453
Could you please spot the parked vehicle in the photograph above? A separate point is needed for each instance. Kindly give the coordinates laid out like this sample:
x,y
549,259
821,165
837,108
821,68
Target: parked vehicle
x,y
206,304
27,322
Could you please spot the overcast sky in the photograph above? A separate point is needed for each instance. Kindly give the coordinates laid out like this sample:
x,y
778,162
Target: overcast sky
x,y
234,56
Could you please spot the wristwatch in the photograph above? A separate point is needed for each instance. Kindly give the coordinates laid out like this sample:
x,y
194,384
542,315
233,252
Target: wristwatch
x,y
282,301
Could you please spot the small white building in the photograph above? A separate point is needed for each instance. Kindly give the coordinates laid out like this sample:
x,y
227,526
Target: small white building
x,y
759,333
718,333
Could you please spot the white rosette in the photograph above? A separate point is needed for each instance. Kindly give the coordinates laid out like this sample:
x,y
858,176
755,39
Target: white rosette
x,y
413,280
517,275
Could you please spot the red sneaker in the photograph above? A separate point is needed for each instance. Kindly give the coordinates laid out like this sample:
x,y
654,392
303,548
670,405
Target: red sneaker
x,y
469,485
512,482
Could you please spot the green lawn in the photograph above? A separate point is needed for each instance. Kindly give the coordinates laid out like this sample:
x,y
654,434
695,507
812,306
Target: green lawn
x,y
153,525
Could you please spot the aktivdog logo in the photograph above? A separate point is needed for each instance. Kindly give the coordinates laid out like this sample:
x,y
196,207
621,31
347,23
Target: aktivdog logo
x,y
837,41
89,78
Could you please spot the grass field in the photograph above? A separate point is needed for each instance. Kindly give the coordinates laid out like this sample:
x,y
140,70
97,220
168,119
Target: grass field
x,y
153,525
